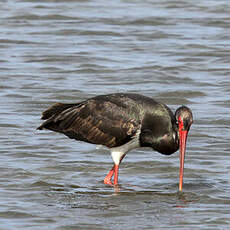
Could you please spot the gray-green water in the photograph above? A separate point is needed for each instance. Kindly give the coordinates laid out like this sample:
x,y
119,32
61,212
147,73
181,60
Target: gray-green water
x,y
66,51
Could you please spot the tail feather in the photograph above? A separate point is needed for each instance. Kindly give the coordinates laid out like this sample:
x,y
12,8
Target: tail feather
x,y
55,109
52,112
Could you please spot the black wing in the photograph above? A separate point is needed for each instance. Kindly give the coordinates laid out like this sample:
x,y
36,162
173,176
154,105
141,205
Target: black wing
x,y
101,120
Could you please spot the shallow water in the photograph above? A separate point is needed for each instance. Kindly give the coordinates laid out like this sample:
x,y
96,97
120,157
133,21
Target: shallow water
x,y
65,51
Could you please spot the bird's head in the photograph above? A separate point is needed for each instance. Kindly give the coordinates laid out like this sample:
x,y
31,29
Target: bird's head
x,y
185,119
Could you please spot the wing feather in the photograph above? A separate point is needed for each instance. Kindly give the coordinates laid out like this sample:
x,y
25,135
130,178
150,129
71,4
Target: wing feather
x,y
97,122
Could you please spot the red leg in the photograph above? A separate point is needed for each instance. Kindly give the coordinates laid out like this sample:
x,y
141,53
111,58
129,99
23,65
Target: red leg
x,y
107,179
116,169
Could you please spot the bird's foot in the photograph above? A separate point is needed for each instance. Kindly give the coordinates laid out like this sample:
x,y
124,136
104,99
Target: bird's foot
x,y
107,180
113,171
109,176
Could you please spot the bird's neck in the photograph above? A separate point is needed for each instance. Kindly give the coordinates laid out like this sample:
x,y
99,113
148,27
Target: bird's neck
x,y
166,144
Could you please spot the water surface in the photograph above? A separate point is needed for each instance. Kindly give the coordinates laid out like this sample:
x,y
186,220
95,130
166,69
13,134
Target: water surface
x,y
65,51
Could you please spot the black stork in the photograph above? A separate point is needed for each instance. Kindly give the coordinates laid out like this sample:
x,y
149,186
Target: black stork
x,y
122,122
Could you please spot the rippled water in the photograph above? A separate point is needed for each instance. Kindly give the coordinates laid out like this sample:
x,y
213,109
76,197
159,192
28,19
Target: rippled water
x,y
66,51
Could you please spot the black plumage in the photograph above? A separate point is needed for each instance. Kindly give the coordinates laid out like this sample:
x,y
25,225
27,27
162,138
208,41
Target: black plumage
x,y
115,120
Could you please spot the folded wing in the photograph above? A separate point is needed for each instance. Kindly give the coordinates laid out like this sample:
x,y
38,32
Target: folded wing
x,y
94,121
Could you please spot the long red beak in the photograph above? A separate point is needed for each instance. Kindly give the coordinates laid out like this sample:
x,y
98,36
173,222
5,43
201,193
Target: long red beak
x,y
183,137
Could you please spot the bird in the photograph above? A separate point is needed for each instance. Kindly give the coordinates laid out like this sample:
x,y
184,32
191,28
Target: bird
x,y
122,122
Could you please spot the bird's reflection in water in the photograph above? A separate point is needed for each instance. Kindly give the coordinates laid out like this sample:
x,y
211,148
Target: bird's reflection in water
x,y
178,198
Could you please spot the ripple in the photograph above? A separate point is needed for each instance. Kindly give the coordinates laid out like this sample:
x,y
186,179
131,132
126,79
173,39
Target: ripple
x,y
14,214
54,51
